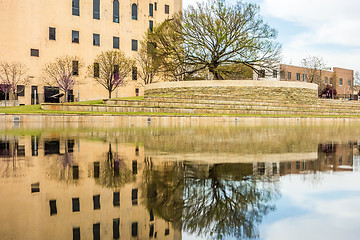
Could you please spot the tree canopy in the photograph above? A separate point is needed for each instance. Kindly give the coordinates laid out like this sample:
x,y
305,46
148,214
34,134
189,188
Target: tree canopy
x,y
213,35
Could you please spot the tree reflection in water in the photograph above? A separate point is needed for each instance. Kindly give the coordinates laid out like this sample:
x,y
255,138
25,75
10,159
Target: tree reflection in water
x,y
217,201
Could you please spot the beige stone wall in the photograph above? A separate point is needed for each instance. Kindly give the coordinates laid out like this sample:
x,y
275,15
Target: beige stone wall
x,y
265,90
25,25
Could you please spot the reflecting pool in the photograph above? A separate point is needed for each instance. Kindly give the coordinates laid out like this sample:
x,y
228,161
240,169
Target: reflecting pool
x,y
275,180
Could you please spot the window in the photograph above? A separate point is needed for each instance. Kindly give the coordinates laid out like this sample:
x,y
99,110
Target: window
x,y
151,216
297,76
275,73
261,73
76,233
137,151
96,9
155,6
116,199
75,36
282,74
289,76
304,77
340,81
134,229
134,45
326,80
96,74
134,73
151,10
20,90
52,33
116,42
134,11
151,25
116,228
34,52
167,232
331,80
75,171
75,8
75,205
53,209
96,231
75,68
167,9
297,165
134,196
151,231
349,83
116,11
35,187
96,39
96,202
134,167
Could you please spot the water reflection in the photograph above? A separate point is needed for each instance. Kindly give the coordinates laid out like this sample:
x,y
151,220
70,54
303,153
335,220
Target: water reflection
x,y
155,183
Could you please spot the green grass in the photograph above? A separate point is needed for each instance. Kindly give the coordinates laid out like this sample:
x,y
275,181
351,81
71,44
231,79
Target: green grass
x,y
138,98
90,102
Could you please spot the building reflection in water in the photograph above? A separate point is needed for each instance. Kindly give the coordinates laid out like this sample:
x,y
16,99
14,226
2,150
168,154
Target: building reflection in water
x,y
112,190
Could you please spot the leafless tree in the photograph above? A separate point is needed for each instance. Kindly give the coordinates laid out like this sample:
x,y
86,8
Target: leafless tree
x,y
13,74
213,35
148,64
63,72
110,69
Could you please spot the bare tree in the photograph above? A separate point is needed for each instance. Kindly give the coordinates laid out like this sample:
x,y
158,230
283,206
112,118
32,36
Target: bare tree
x,y
110,69
11,76
314,66
148,63
63,73
214,35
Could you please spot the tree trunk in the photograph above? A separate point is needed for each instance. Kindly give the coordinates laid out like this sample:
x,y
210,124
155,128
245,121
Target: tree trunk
x,y
66,96
109,94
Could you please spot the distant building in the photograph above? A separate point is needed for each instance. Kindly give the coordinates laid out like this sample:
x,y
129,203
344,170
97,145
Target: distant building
x,y
339,78
37,32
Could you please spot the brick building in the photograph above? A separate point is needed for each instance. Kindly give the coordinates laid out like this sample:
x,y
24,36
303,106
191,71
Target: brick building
x,y
339,78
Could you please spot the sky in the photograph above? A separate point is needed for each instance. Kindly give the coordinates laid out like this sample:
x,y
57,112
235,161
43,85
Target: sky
x,y
328,29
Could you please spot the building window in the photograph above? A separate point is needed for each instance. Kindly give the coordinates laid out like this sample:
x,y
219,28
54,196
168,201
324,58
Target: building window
x,y
75,167
151,10
75,205
155,6
34,52
297,76
134,167
134,229
167,9
134,11
20,90
275,73
134,45
96,71
167,231
304,77
340,81
75,8
96,231
261,73
282,74
116,199
35,187
134,73
151,215
151,25
75,36
96,202
96,169
76,233
75,68
289,76
116,42
52,33
349,83
96,9
96,39
331,80
326,80
53,209
116,11
151,231
136,92
134,196
116,228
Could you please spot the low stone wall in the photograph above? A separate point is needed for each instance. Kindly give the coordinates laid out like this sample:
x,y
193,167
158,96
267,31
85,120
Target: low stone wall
x,y
233,89
9,103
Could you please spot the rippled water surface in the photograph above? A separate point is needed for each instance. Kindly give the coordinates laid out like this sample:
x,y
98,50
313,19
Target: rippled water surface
x,y
268,180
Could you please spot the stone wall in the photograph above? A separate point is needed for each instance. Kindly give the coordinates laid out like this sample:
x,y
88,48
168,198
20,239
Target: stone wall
x,y
231,89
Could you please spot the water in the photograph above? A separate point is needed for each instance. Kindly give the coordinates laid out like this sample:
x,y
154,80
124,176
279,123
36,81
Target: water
x,y
270,180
